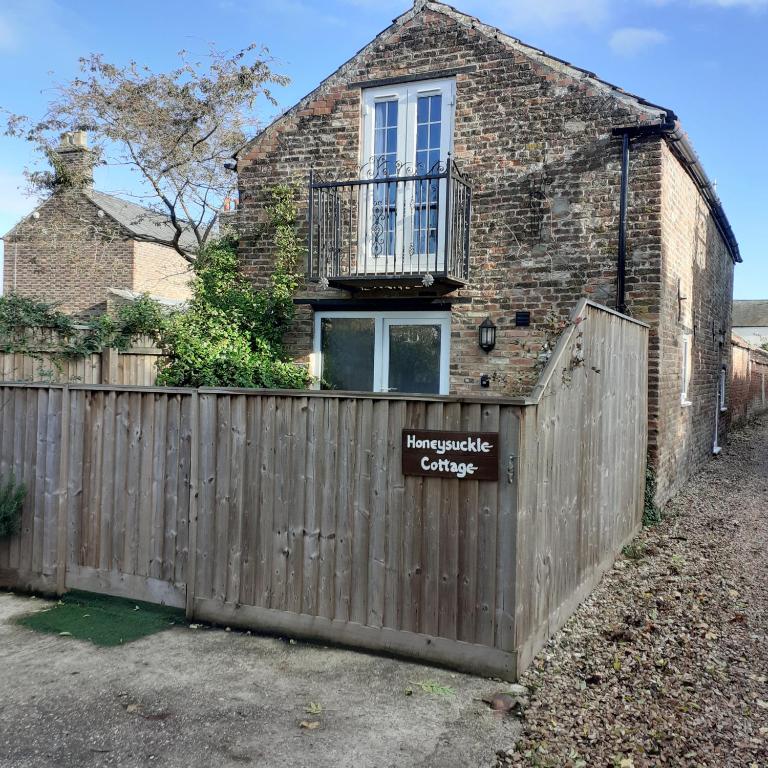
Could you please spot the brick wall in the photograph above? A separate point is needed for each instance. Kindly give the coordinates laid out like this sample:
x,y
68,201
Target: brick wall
x,y
696,291
160,271
68,255
536,144
747,391
537,147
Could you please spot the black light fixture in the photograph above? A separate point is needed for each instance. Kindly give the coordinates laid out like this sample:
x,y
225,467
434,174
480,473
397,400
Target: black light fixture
x,y
487,335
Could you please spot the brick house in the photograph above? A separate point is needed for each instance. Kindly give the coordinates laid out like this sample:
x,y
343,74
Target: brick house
x,y
750,320
80,243
450,173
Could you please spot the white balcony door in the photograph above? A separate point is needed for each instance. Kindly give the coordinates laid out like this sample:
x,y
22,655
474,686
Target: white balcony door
x,y
407,131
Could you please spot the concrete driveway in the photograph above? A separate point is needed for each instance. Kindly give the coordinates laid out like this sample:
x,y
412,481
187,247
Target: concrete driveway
x,y
207,697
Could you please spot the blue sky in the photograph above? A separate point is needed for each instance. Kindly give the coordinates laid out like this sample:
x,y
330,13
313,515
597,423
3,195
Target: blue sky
x,y
702,58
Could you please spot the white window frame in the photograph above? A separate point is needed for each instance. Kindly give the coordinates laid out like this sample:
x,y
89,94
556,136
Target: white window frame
x,y
383,320
722,386
686,344
407,96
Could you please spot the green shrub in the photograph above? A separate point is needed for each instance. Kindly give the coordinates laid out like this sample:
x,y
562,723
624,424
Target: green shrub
x,y
12,496
231,334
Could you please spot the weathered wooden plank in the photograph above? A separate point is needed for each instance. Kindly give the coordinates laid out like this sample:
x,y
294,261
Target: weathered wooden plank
x,y
430,540
53,442
345,493
237,494
328,510
395,503
61,492
147,487
207,506
196,441
281,501
296,495
361,514
314,474
120,487
467,536
266,506
157,525
133,483
174,464
486,542
411,572
448,540
377,548
108,477
189,433
464,656
251,508
126,585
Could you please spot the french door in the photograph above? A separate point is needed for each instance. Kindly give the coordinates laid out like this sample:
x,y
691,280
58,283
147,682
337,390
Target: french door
x,y
407,132
383,351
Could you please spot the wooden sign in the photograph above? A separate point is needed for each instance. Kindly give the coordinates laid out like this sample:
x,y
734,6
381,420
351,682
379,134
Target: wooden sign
x,y
456,455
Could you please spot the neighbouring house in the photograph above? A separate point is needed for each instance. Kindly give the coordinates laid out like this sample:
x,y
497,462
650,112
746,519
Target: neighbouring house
x,y
750,320
460,191
80,243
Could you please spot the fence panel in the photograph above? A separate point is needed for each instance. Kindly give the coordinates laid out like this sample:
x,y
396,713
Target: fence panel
x,y
128,491
304,510
290,512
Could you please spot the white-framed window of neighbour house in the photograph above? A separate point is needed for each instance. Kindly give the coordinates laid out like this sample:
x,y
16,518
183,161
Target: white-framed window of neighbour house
x,y
686,357
367,351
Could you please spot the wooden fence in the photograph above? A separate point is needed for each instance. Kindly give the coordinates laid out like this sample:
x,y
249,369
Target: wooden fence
x,y
40,363
288,512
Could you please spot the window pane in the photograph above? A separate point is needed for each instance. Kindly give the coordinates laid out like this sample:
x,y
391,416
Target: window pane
x,y
346,345
414,358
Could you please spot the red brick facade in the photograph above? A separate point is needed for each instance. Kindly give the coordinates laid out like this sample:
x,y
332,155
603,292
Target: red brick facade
x,y
536,140
68,254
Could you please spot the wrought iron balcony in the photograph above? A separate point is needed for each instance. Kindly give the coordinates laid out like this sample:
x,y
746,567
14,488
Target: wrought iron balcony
x,y
392,225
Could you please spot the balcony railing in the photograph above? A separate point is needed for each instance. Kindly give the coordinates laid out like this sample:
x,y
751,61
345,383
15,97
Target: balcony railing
x,y
390,225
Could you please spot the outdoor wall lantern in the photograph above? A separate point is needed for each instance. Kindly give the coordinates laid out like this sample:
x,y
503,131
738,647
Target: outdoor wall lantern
x,y
487,335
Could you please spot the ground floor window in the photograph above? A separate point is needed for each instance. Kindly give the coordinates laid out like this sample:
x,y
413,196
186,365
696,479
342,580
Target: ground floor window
x,y
382,351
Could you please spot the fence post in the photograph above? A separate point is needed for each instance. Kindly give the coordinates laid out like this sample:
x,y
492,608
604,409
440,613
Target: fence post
x,y
194,491
109,365
63,495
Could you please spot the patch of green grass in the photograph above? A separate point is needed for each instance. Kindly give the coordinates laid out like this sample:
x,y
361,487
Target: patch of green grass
x,y
102,620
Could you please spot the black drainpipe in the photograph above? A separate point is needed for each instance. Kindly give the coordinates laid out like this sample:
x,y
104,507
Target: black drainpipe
x,y
621,304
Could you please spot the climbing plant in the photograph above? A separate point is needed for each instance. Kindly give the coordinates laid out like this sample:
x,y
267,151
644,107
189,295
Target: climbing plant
x,y
231,334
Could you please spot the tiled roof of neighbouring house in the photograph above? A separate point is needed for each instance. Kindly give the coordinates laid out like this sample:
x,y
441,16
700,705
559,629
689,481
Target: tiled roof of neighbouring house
x,y
750,314
144,223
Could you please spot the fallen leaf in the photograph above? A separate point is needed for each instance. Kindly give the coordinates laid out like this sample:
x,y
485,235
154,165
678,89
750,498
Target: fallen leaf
x,y
310,725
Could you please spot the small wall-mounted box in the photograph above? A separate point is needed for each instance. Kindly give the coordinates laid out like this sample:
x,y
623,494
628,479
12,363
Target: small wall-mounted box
x,y
522,318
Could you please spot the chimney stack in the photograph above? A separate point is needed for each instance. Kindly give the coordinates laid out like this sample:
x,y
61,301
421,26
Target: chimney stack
x,y
76,160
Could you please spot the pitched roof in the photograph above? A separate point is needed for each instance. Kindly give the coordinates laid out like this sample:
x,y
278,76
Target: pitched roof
x,y
750,313
142,222
650,114
652,111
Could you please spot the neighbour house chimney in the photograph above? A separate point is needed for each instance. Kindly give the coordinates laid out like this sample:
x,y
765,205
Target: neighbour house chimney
x,y
75,159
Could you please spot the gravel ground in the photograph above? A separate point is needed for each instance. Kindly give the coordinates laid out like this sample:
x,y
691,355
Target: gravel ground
x,y
200,697
665,664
